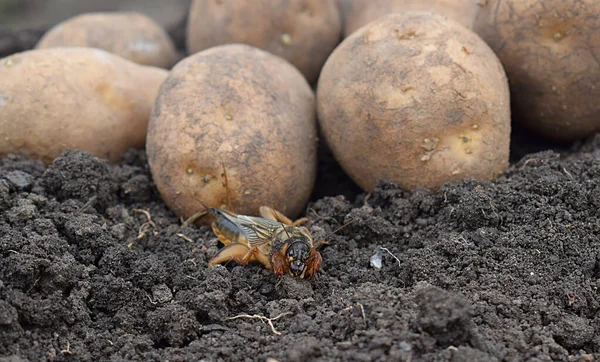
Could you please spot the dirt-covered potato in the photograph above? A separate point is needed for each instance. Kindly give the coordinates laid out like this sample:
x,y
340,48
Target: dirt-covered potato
x,y
550,50
131,35
234,126
417,99
56,99
362,12
304,32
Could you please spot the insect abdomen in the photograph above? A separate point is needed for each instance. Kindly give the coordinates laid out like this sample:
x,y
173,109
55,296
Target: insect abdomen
x,y
227,229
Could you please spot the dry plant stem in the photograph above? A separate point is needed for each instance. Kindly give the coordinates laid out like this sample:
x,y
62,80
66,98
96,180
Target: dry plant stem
x,y
263,318
362,310
90,202
184,237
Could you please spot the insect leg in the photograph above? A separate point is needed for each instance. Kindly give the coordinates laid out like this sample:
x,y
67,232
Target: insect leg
x,y
237,252
320,243
300,221
313,264
270,213
280,265
261,258
192,219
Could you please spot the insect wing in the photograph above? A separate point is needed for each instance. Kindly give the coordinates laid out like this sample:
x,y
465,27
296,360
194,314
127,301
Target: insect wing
x,y
256,229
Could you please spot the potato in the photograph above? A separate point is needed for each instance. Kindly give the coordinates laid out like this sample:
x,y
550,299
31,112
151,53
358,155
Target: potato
x,y
344,7
131,35
304,32
56,99
550,52
234,126
363,12
416,99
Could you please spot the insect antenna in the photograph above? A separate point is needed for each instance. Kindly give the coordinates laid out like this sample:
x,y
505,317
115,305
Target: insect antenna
x,y
340,228
333,232
284,229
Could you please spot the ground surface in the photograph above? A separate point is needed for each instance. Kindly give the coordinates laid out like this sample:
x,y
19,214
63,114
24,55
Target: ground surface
x,y
507,270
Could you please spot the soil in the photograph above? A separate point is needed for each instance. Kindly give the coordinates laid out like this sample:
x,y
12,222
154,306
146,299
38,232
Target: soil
x,y
93,266
503,270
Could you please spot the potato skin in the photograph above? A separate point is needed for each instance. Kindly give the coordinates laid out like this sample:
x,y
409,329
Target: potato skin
x,y
344,7
56,99
416,99
363,12
550,52
131,35
234,126
304,32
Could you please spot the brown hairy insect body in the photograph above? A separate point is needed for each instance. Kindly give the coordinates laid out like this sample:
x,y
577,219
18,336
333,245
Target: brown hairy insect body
x,y
271,239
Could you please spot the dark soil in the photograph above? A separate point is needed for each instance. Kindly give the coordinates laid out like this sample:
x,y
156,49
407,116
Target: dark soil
x,y
507,270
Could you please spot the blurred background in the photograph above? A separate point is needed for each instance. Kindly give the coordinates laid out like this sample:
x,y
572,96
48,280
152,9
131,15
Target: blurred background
x,y
22,22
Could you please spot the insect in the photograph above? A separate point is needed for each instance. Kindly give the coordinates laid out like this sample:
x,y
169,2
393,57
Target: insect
x,y
271,239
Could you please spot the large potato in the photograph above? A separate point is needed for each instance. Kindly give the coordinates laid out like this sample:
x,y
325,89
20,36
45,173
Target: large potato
x,y
131,35
304,32
56,99
344,7
362,12
234,126
550,50
417,99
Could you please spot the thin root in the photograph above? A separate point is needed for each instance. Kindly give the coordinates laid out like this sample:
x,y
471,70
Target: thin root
x,y
263,319
150,299
366,200
67,350
568,174
394,256
323,217
191,261
145,228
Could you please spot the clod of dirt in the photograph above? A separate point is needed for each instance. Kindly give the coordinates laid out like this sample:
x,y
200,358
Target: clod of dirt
x,y
19,180
468,354
5,200
573,331
294,288
89,179
444,315
173,326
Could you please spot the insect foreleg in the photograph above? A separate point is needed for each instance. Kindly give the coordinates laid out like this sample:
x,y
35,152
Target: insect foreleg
x,y
235,252
313,264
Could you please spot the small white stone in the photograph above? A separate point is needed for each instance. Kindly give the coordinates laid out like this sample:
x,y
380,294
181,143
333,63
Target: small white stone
x,y
376,259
